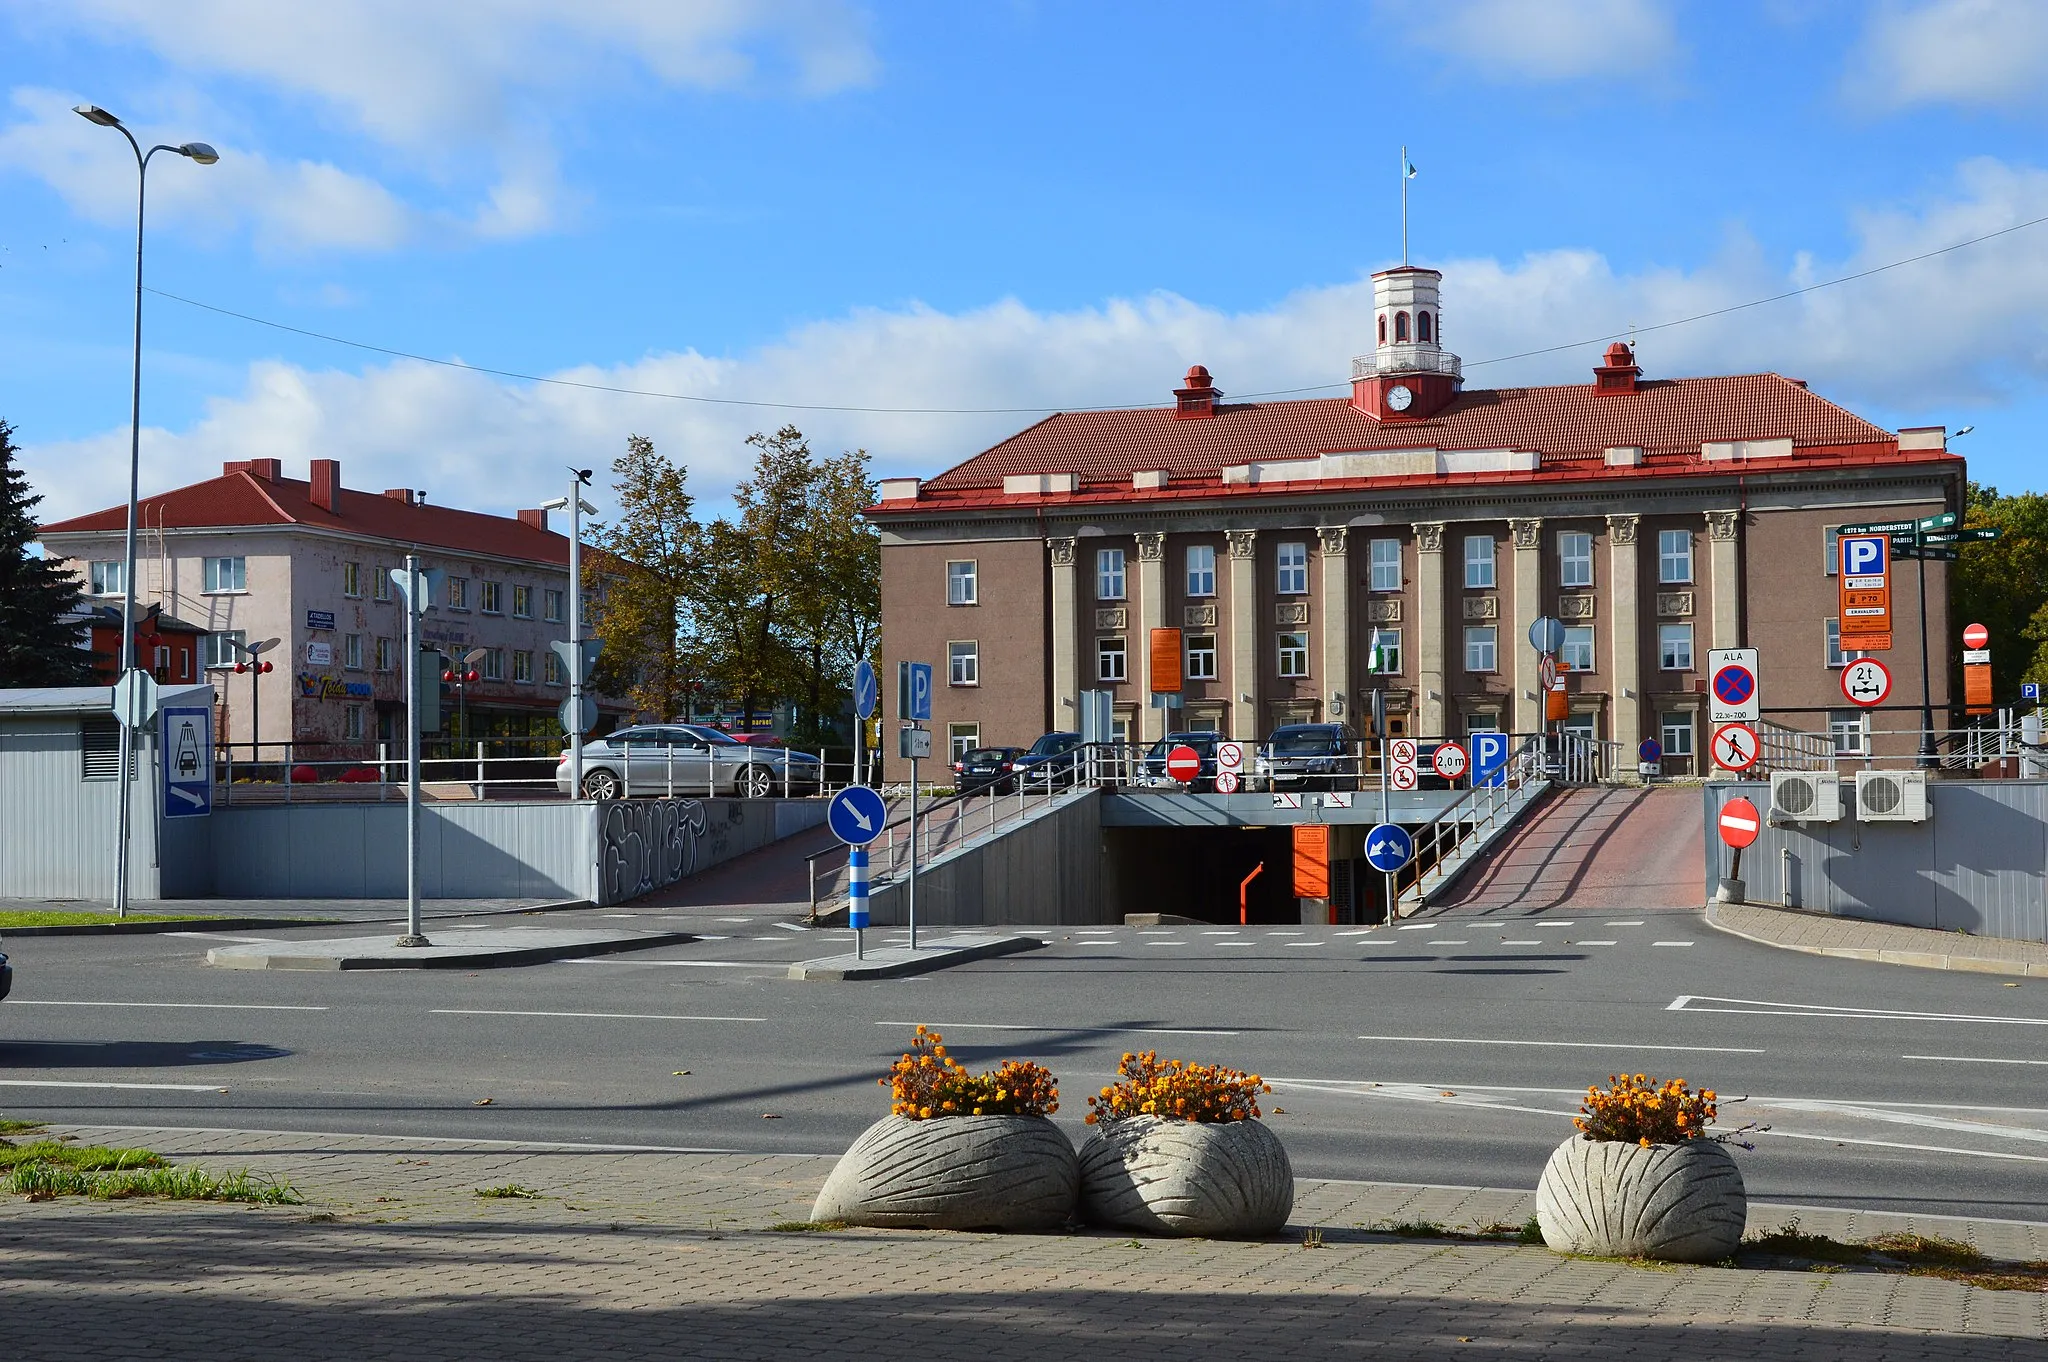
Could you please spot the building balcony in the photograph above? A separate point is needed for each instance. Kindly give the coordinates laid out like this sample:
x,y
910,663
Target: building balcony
x,y
1405,357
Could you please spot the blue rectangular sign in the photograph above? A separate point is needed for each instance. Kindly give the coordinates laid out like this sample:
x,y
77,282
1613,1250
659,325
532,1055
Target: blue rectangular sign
x,y
920,692
186,739
1489,759
319,619
1865,555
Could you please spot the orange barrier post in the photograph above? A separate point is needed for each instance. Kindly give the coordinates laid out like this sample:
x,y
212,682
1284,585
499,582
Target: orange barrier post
x,y
1244,892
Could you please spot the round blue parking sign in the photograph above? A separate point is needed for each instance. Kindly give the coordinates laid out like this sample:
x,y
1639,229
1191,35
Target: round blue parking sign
x,y
1388,847
856,815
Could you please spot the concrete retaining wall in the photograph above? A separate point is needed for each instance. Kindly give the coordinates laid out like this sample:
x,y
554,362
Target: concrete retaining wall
x,y
1049,870
1979,864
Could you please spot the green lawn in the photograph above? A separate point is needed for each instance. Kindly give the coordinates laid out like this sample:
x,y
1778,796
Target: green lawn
x,y
90,919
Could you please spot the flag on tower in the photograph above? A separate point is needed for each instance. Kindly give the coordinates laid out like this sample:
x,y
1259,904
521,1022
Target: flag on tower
x,y
1407,166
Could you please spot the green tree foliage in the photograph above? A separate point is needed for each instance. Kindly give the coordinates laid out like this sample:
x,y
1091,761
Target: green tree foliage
x,y
643,571
837,621
2003,585
38,646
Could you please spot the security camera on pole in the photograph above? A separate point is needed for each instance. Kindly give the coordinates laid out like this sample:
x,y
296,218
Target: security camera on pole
x,y
419,589
579,712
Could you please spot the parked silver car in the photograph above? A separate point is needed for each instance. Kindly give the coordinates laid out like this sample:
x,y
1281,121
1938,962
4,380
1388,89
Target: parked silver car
x,y
688,759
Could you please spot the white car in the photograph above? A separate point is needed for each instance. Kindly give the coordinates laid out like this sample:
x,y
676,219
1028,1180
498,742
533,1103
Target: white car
x,y
689,760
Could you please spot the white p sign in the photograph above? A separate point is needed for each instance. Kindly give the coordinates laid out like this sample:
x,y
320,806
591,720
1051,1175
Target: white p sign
x,y
1863,555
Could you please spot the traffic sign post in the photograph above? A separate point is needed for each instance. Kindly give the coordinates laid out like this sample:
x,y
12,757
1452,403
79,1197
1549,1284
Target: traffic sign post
x,y
1865,682
1738,825
1489,758
186,733
1184,763
1229,767
1735,747
1733,698
1449,761
913,705
2030,690
1976,669
1649,757
1865,566
856,815
867,698
1388,848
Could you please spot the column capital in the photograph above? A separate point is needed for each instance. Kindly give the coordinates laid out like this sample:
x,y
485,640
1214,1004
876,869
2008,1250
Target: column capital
x,y
1062,549
1333,539
1243,543
1527,534
1621,529
1429,536
1722,524
1151,546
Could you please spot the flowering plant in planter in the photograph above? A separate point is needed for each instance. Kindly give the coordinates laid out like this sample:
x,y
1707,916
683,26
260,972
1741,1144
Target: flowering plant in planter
x,y
1636,1109
927,1083
1176,1090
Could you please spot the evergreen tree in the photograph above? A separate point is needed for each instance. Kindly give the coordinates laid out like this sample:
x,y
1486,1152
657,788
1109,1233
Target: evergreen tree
x,y
38,644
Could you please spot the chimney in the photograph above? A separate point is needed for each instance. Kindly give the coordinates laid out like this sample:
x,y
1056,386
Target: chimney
x,y
537,519
1197,401
403,494
1619,373
327,484
270,470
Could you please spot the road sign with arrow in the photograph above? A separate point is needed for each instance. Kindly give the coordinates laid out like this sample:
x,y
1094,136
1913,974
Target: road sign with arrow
x,y
1388,847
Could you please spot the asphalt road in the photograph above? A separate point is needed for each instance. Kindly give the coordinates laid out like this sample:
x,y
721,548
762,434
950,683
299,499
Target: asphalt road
x,y
1452,1051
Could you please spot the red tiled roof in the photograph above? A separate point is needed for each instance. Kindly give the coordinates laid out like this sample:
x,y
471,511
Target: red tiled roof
x,y
243,499
1669,416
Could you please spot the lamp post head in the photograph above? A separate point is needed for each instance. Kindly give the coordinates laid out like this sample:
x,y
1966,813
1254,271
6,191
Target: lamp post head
x,y
93,113
1964,431
200,152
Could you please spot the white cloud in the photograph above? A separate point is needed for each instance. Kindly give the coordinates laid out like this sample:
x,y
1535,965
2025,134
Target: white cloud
x,y
1927,338
1542,40
1981,52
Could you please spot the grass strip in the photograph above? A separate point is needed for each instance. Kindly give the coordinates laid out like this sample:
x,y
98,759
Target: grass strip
x,y
807,1226
510,1190
48,1169
56,918
1901,1253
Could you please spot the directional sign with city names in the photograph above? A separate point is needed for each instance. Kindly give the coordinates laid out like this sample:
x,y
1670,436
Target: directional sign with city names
x,y
1936,522
1882,527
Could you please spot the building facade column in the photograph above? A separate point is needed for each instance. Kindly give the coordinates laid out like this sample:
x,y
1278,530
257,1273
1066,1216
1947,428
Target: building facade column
x,y
1527,537
1244,634
1432,684
1066,671
1153,724
1724,571
1336,612
1625,646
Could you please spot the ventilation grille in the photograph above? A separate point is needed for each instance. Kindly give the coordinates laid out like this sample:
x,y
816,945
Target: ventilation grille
x,y
102,748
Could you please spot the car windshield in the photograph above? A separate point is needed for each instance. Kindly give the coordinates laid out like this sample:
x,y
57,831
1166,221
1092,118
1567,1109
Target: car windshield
x,y
1052,744
977,756
713,736
1304,742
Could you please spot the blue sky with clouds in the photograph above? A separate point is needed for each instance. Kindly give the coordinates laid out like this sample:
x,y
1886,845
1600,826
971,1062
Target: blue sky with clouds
x,y
1010,205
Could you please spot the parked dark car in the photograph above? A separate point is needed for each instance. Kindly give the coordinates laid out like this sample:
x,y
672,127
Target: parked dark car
x,y
1309,756
1052,761
986,768
1152,767
7,975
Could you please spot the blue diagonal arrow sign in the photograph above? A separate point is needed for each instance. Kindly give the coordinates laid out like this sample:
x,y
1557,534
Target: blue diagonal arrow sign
x,y
856,815
1388,847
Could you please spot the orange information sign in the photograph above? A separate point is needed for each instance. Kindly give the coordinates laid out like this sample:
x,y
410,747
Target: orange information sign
x,y
1977,684
1311,860
1165,661
1865,607
1557,704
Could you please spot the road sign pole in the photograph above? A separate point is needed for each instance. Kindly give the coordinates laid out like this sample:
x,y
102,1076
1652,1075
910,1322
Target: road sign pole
x,y
857,899
576,641
910,889
1926,684
1386,799
414,935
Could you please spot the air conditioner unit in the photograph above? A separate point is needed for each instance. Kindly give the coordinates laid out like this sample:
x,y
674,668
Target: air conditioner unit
x,y
1806,796
1891,796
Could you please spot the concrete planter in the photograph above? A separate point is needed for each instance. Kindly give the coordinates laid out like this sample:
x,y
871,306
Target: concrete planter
x,y
955,1173
1230,1180
1683,1203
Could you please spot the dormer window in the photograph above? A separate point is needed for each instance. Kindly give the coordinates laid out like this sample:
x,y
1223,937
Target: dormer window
x,y
1383,328
1400,327
1422,327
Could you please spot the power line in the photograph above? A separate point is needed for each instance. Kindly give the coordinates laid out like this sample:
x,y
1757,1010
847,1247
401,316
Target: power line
x,y
1041,411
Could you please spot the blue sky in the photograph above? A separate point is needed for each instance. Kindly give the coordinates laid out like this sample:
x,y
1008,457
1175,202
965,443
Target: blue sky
x,y
1009,205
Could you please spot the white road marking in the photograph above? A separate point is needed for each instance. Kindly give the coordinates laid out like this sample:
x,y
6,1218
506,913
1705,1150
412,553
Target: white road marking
x,y
723,919
1362,931
1593,943
1302,943
1554,922
1228,933
1505,942
1777,1134
1248,945
148,1087
687,964
1671,943
224,1007
216,936
1080,1030
1973,1059
1448,941
609,1016
786,926
1686,1002
1626,922
1571,1044
1286,933
1417,927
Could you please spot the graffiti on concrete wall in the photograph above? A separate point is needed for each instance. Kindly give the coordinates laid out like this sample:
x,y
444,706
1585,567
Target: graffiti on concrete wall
x,y
646,844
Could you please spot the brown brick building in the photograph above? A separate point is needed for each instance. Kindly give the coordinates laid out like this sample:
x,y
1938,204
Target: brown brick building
x,y
1656,518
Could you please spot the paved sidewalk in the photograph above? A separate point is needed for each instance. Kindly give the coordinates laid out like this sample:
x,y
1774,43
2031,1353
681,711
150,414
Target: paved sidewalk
x,y
669,1254
1884,942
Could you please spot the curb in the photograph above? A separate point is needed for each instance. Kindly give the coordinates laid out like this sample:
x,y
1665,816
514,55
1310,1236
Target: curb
x,y
481,959
190,924
930,958
1972,964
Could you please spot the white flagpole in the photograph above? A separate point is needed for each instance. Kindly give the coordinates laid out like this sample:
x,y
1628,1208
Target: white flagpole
x,y
1404,205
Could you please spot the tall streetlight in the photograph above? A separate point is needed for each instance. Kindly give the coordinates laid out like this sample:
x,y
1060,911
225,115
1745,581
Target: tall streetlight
x,y
206,156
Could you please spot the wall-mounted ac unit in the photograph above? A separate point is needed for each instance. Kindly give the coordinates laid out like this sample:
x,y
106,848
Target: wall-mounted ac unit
x,y
1806,796
1891,796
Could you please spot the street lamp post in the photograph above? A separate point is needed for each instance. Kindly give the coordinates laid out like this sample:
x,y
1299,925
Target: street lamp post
x,y
577,508
253,663
206,156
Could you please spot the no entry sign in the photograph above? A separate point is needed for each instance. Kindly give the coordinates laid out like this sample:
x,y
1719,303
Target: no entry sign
x,y
1976,636
1739,823
1183,764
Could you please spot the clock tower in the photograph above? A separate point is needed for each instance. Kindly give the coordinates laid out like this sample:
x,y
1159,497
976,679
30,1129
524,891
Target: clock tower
x,y
1409,376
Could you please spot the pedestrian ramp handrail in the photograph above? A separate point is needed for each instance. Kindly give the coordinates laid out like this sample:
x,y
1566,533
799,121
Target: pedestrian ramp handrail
x,y
1446,844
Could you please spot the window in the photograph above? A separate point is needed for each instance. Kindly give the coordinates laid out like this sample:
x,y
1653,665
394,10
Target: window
x,y
1294,654
106,579
387,655
224,649
1400,326
1422,327
963,586
1831,550
1478,562
352,652
1109,659
352,723
1481,647
1387,659
1574,558
962,738
1831,646
458,593
1293,565
1201,657
487,598
1383,328
1482,721
380,584
1578,647
352,579
494,664
963,663
1849,730
226,574
551,668
1385,556
1675,731
522,602
1674,555
522,666
1674,647
1109,574
1201,570
551,605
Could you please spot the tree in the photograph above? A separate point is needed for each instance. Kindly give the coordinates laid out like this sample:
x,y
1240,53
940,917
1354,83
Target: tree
x,y
643,569
2003,585
754,570
837,621
39,601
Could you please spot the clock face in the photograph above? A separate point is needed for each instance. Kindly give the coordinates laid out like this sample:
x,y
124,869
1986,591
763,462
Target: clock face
x,y
1398,397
